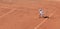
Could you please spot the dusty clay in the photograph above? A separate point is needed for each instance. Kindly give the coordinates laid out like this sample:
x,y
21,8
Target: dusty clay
x,y
24,14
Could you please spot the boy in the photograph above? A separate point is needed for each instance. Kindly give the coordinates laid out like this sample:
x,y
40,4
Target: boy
x,y
41,12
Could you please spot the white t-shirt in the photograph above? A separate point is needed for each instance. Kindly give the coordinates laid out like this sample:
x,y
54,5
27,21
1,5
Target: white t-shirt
x,y
41,12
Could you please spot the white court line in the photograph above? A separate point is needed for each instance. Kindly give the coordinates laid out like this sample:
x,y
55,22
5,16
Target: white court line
x,y
44,21
7,13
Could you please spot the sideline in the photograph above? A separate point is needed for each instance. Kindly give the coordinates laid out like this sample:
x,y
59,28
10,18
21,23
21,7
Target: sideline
x,y
7,13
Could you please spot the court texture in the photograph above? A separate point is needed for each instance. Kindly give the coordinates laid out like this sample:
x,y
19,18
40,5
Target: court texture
x,y
24,14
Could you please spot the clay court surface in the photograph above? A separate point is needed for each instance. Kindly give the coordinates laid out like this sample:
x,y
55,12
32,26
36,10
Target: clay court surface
x,y
24,14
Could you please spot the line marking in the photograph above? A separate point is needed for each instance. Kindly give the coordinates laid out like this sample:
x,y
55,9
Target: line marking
x,y
44,21
7,13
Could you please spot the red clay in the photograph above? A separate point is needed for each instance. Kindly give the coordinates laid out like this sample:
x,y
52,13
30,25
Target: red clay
x,y
25,15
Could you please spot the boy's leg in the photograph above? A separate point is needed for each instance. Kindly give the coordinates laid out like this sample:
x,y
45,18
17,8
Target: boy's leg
x,y
41,15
